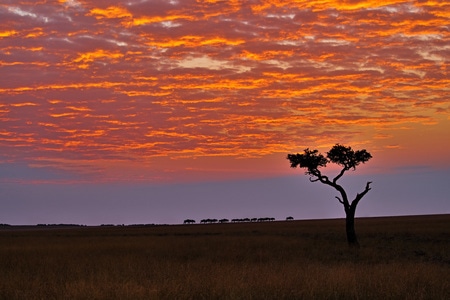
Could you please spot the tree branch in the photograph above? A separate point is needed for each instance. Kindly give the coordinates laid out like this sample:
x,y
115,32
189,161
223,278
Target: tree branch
x,y
359,196
340,175
339,199
324,179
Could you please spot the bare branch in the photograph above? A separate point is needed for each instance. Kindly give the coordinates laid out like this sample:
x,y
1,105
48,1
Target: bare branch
x,y
339,199
359,196
366,189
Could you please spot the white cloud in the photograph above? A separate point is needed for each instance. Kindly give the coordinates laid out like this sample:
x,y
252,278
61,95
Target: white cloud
x,y
23,13
208,63
170,24
73,3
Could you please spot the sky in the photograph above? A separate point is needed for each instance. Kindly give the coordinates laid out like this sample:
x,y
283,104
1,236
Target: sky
x,y
155,111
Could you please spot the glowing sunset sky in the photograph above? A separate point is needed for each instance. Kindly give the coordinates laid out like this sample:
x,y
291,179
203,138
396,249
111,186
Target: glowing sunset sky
x,y
95,94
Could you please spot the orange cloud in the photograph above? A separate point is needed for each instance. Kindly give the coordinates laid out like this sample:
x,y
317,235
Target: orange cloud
x,y
23,104
84,59
194,41
148,82
110,12
160,19
7,33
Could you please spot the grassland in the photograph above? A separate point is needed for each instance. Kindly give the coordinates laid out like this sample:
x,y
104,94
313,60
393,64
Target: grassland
x,y
399,258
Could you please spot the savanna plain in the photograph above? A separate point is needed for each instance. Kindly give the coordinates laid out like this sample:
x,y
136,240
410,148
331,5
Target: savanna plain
x,y
399,258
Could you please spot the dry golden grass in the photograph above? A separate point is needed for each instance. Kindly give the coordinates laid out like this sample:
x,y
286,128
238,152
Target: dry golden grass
x,y
400,258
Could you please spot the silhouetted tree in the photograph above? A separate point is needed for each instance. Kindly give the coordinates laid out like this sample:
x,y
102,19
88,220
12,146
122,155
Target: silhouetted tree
x,y
348,159
265,219
289,218
189,221
204,221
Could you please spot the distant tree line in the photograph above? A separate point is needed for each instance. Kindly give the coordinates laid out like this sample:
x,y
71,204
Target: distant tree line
x,y
81,225
60,225
187,221
130,225
212,221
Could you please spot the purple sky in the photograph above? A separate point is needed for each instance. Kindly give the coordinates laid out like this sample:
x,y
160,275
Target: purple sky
x,y
408,192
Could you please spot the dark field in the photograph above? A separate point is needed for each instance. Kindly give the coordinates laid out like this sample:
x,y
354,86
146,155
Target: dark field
x,y
399,258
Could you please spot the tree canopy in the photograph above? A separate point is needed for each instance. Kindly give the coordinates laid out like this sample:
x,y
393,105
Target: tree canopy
x,y
341,155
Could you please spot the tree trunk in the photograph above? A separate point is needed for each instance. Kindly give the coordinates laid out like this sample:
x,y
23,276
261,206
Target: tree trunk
x,y
350,227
